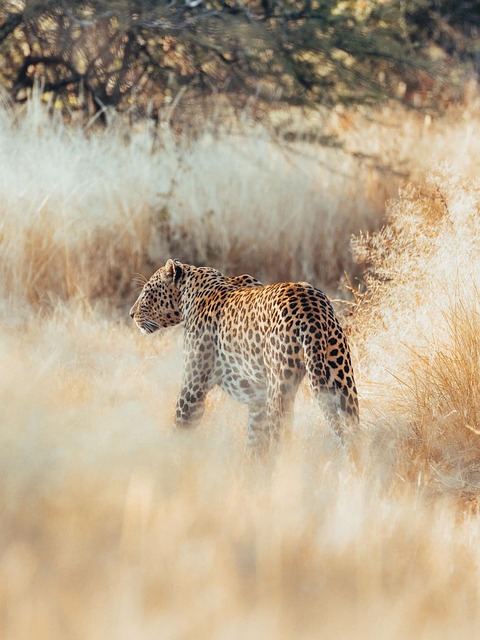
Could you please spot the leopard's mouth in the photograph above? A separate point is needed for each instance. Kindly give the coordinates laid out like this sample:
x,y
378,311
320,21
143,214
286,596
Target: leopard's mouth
x,y
147,326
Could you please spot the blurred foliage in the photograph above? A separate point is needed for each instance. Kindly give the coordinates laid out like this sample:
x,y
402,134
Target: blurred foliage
x,y
145,54
454,25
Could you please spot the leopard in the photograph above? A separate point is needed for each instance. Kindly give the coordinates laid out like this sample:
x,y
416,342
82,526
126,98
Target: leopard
x,y
257,342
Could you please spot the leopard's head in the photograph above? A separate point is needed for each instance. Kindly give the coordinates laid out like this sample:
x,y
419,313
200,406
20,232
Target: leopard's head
x,y
158,305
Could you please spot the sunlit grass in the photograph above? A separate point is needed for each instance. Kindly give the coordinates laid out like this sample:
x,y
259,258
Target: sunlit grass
x,y
113,525
417,331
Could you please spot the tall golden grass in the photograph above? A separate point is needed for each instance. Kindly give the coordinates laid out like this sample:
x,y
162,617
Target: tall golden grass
x,y
418,326
115,526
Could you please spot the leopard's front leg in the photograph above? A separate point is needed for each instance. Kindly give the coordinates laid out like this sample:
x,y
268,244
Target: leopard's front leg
x,y
189,409
198,364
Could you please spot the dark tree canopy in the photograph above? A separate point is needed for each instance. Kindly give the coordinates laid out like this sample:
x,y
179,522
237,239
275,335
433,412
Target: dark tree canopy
x,y
144,53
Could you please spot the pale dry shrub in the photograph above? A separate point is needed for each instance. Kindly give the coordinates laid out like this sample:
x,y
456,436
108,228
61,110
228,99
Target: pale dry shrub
x,y
83,210
411,143
76,210
417,328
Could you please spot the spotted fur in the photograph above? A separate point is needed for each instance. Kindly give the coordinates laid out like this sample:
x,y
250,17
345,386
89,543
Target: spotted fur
x,y
257,342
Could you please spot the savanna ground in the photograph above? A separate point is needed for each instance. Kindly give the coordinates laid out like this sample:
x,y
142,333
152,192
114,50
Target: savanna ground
x,y
113,525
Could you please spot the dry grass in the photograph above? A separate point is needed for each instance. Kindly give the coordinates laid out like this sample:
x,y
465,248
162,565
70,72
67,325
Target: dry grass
x,y
417,330
82,213
113,525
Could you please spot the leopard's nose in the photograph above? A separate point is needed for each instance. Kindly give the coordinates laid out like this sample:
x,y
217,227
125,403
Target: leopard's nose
x,y
132,312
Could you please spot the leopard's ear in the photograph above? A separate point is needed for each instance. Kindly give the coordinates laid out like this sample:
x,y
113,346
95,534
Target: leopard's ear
x,y
173,271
